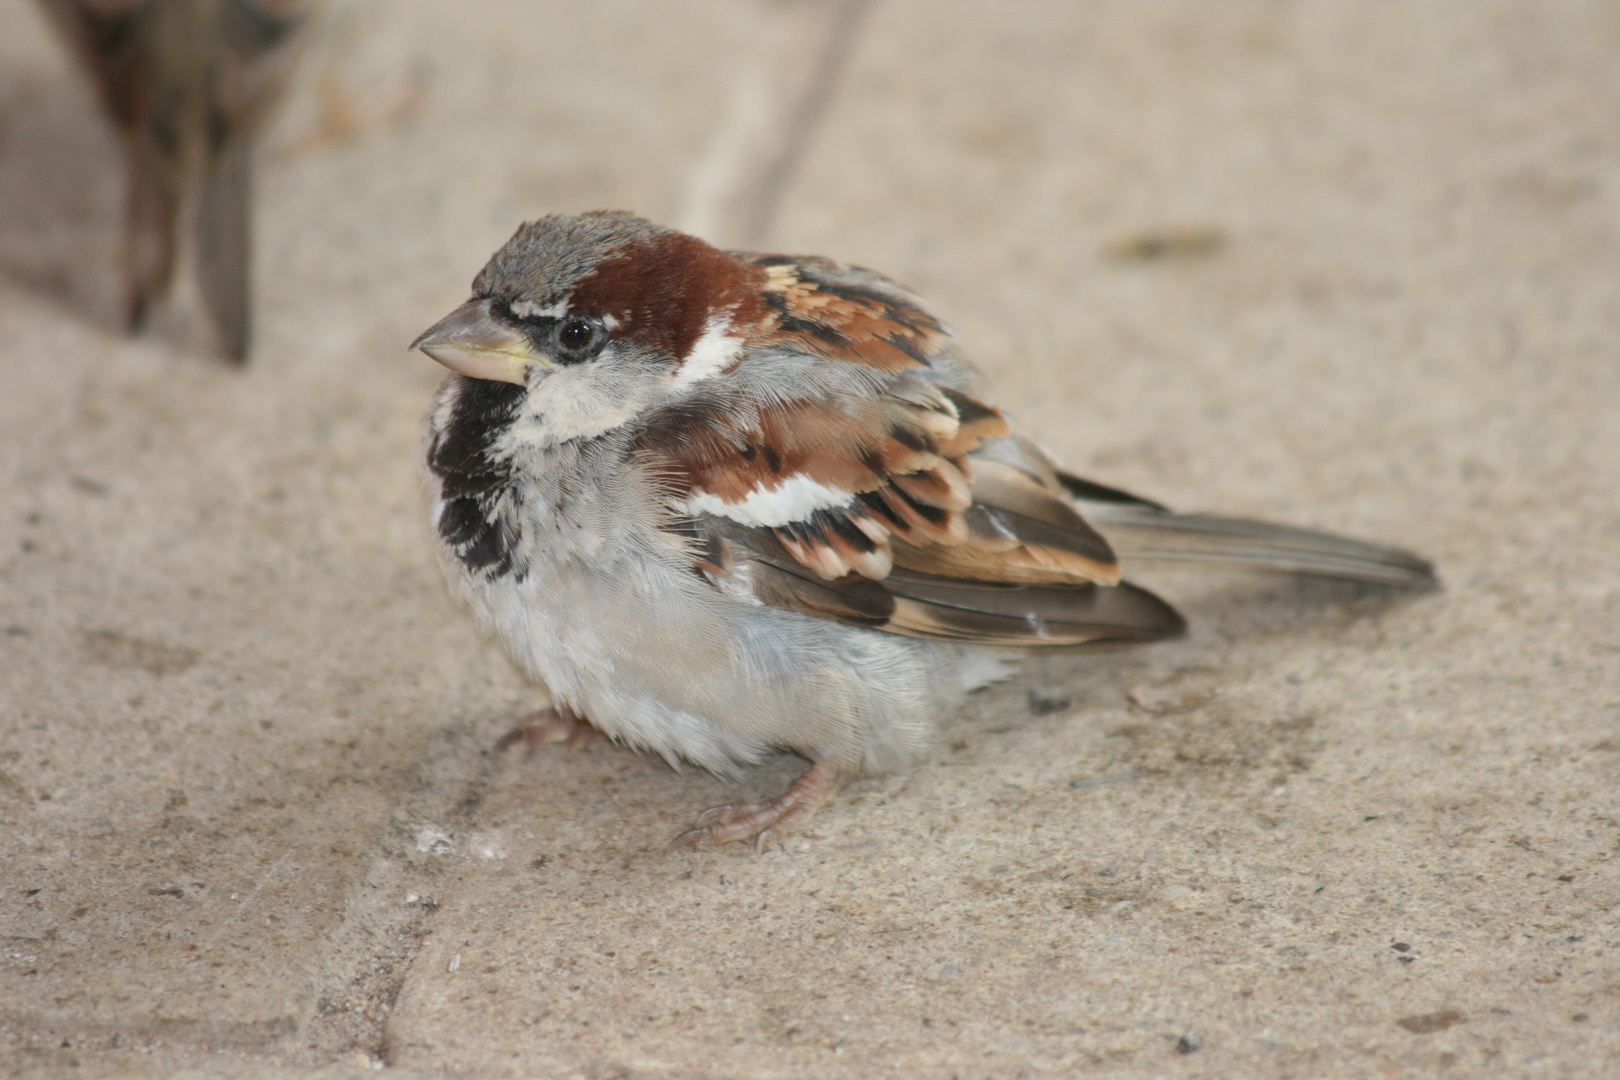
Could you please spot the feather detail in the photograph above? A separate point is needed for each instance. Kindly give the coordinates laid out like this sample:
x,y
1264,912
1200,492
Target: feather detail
x,y
840,478
943,486
1145,534
920,604
925,522
977,422
1041,531
1028,616
845,313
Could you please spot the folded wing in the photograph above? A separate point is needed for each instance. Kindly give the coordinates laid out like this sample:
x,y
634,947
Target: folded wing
x,y
856,491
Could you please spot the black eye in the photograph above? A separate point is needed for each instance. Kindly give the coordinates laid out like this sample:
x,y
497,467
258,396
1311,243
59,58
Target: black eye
x,y
576,335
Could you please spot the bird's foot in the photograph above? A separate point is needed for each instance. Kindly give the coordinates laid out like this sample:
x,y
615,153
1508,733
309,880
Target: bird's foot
x,y
559,724
764,821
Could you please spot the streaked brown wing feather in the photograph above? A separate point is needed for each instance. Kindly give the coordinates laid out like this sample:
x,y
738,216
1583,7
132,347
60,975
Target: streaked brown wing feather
x,y
919,604
1029,616
1018,531
878,462
903,440
851,599
845,313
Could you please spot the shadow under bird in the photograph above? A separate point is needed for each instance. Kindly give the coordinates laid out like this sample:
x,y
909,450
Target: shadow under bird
x,y
188,84
727,504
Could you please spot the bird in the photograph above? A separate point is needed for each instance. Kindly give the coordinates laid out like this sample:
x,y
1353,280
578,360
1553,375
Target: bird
x,y
188,83
726,504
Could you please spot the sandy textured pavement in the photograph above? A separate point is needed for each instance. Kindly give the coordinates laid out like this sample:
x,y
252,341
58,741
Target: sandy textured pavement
x,y
1347,264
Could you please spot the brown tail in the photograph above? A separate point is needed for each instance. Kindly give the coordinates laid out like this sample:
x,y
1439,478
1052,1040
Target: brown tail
x,y
1141,530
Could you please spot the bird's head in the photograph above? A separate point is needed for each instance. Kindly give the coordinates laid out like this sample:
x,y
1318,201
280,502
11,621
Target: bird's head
x,y
599,318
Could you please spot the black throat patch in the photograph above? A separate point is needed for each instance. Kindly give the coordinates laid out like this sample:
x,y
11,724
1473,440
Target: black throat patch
x,y
472,521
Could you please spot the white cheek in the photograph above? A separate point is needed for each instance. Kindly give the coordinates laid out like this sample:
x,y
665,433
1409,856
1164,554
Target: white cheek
x,y
584,401
571,405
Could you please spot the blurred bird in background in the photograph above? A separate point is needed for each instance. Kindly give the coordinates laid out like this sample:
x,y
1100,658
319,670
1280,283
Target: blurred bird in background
x,y
188,83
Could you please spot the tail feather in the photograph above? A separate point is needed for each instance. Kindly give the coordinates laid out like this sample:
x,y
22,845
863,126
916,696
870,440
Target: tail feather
x,y
1140,530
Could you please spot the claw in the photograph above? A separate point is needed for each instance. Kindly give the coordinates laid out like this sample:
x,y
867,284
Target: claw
x,y
691,838
726,813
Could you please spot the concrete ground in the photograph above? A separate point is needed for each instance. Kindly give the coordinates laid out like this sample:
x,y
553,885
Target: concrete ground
x,y
1347,264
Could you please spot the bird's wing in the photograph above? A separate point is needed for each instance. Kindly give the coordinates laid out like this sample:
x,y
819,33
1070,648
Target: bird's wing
x,y
834,470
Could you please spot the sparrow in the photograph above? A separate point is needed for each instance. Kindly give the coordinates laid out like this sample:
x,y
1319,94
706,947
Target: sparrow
x,y
188,84
726,504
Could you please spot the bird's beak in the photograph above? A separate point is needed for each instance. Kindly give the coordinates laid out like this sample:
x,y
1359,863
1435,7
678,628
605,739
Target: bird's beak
x,y
470,340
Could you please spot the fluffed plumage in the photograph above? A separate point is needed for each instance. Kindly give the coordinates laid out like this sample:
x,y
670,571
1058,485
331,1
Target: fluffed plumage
x,y
726,504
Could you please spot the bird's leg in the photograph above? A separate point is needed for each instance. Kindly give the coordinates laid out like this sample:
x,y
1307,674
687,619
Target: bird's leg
x,y
224,240
763,821
558,724
151,217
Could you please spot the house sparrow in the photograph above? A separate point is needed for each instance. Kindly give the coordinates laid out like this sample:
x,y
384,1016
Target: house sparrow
x,y
726,504
188,82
